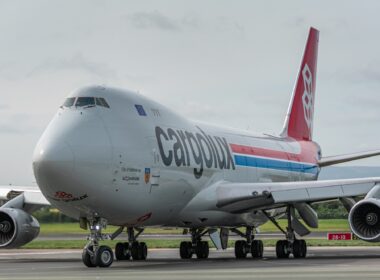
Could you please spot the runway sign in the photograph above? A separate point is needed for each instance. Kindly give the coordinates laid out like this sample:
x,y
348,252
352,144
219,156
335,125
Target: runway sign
x,y
339,236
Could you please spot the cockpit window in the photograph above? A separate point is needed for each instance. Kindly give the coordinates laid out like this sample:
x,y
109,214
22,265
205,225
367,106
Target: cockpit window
x,y
85,101
100,101
69,102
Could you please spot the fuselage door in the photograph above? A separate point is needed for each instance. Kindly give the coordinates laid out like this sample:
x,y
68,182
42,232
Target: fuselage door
x,y
152,173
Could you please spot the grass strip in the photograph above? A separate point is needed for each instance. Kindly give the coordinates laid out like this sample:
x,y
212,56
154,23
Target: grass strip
x,y
167,243
73,228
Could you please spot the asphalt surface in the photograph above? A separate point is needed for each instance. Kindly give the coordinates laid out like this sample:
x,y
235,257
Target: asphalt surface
x,y
322,262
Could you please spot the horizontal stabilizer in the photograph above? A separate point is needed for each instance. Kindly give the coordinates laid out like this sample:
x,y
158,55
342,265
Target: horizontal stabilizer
x,y
327,161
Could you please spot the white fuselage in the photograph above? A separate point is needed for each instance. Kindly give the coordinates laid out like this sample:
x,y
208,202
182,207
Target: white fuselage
x,y
138,163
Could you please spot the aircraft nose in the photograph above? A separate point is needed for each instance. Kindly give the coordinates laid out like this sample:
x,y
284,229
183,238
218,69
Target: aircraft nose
x,y
73,155
53,164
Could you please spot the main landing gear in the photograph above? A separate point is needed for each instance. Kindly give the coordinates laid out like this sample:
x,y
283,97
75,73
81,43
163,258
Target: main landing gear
x,y
102,256
248,246
291,245
132,248
196,246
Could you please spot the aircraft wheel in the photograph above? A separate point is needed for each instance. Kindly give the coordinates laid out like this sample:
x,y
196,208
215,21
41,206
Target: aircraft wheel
x,y
143,251
282,249
127,251
257,249
122,251
135,252
119,251
202,250
87,259
241,249
299,248
185,250
104,256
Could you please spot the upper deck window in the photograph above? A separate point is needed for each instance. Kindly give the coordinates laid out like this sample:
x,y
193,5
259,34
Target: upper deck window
x,y
69,102
85,101
100,101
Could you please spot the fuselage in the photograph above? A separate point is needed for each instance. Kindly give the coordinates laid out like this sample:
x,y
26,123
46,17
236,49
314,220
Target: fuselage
x,y
133,161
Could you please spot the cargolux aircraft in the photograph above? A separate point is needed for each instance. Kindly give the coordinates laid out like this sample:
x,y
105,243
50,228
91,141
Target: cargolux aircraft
x,y
112,156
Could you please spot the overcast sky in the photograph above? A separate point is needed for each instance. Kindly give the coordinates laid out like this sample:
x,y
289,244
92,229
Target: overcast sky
x,y
227,62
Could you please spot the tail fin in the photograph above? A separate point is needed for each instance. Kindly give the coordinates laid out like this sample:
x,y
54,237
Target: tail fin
x,y
299,119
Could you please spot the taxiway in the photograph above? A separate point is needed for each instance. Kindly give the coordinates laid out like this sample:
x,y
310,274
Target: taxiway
x,y
322,262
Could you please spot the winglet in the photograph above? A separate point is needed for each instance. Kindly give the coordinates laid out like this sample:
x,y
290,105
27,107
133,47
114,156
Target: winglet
x,y
299,118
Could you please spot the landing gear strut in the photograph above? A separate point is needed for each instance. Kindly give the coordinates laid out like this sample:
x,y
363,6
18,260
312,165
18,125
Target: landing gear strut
x,y
244,247
196,246
132,248
93,254
291,245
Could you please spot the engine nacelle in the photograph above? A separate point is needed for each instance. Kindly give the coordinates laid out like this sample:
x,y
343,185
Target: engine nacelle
x,y
364,219
17,228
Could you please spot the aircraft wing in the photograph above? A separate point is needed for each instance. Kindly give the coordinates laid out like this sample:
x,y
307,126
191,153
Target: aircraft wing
x,y
31,195
331,160
243,197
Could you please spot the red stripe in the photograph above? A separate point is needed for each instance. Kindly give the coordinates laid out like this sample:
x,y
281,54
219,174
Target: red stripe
x,y
258,151
255,151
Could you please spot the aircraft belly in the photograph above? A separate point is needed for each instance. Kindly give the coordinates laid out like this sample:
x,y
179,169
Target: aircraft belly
x,y
217,219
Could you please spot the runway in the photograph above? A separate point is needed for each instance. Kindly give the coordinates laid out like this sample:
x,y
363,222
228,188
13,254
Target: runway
x,y
322,262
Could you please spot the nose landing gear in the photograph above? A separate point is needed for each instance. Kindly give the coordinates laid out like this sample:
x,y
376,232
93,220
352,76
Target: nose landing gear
x,y
102,256
94,255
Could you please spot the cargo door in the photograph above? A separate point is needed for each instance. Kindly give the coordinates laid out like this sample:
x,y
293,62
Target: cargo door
x,y
152,170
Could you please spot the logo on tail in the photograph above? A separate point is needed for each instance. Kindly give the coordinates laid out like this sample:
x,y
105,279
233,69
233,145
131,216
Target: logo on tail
x,y
307,97
299,119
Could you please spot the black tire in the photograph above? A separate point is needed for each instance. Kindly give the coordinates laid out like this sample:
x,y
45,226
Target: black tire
x,y
257,249
206,250
127,251
282,249
299,249
185,250
104,256
87,259
135,252
143,251
120,251
240,249
202,250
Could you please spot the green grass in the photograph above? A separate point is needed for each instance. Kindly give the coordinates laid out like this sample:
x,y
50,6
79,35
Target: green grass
x,y
73,228
79,244
324,225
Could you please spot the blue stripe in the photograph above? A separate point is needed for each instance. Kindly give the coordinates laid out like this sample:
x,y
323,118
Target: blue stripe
x,y
275,164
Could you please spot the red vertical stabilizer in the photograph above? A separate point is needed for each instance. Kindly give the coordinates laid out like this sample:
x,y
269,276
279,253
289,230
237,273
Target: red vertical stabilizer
x,y
299,119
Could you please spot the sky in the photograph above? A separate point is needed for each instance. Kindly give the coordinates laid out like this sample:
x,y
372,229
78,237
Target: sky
x,y
231,63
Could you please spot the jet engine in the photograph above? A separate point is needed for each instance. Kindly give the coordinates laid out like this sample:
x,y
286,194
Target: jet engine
x,y
364,219
17,227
